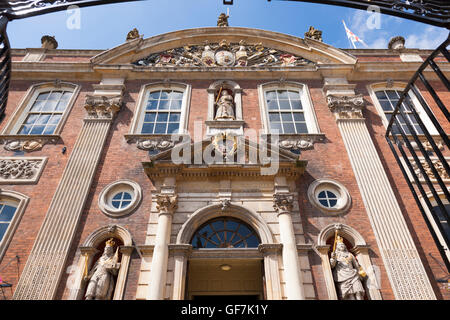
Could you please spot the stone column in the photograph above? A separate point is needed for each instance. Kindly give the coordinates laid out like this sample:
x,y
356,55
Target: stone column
x,y
402,262
294,285
166,204
180,253
40,277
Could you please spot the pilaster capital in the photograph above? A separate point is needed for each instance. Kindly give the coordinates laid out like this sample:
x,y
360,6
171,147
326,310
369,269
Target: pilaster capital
x,y
102,107
283,202
346,107
166,203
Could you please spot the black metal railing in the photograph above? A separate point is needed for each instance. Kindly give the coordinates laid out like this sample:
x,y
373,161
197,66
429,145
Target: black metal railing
x,y
5,66
419,153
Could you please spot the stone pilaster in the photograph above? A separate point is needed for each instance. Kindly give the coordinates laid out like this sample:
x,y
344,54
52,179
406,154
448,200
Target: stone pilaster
x,y
283,203
401,259
44,267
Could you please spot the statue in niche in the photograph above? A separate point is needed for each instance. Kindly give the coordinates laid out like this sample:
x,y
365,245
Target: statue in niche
x,y
225,105
101,277
347,272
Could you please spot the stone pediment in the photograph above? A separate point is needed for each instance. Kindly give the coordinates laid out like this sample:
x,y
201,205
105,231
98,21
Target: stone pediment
x,y
186,48
242,158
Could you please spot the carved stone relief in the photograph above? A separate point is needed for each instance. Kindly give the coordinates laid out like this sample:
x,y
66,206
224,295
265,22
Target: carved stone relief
x,y
346,107
225,55
437,165
102,107
21,170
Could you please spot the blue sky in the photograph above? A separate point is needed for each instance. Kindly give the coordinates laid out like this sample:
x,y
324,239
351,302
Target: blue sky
x,y
106,26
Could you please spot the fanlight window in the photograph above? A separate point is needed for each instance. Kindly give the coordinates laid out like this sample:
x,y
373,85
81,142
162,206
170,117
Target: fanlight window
x,y
225,233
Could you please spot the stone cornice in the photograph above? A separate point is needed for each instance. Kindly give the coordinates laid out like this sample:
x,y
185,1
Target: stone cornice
x,y
270,248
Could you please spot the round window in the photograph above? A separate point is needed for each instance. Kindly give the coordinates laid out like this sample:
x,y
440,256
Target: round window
x,y
329,196
120,198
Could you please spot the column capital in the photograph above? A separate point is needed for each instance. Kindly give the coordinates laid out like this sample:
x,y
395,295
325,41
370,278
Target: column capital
x,y
166,203
346,107
283,202
102,107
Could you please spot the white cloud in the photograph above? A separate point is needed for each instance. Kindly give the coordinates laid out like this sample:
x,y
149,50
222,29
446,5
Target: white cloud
x,y
430,38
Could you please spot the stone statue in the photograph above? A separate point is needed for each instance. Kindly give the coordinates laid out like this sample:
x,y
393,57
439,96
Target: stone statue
x,y
346,272
313,33
133,34
101,281
222,21
225,106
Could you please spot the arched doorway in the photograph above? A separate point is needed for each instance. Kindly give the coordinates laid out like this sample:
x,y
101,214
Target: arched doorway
x,y
225,261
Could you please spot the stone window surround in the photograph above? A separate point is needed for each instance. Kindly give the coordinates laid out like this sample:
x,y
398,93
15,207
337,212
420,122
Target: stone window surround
x,y
143,97
360,250
430,217
310,117
87,253
21,202
106,195
344,198
19,115
399,86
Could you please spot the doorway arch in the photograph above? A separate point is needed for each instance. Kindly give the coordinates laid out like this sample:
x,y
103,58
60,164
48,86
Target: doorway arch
x,y
267,252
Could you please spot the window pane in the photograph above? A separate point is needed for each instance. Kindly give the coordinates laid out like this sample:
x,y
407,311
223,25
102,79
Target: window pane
x,y
272,105
322,194
116,204
55,95
282,94
118,196
55,119
176,95
165,94
43,119
271,95
37,106
160,128
32,118
162,117
174,117
392,94
288,128
37,130
299,116
3,227
274,116
173,128
380,95
286,116
66,96
125,204
7,213
296,105
50,105
175,105
150,117
61,105
333,203
152,105
284,104
43,96
49,129
126,196
25,129
155,95
164,104
301,127
386,105
294,95
147,128
276,126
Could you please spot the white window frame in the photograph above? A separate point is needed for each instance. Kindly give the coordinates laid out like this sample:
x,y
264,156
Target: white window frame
x,y
21,113
20,201
400,86
144,93
308,108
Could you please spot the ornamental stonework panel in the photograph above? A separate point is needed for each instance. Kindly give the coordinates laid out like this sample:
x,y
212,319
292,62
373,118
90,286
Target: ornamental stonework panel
x,y
21,170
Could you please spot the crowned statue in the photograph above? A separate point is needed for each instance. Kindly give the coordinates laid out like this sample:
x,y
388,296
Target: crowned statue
x,y
347,272
225,106
101,277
